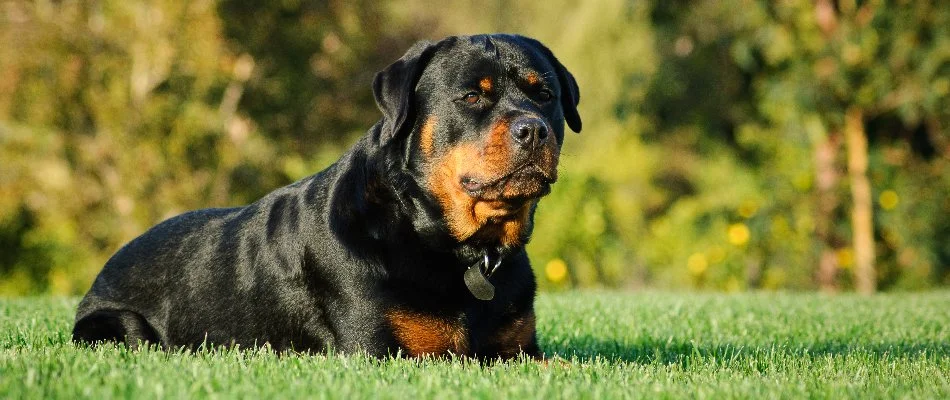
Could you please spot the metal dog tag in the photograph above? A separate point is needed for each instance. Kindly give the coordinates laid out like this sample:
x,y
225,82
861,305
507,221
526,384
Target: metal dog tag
x,y
478,284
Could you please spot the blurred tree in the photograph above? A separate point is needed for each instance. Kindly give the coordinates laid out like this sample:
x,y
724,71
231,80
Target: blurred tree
x,y
106,125
868,75
314,63
816,69
109,125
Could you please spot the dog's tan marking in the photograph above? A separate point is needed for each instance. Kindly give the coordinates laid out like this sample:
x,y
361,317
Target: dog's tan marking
x,y
532,78
497,154
486,84
508,227
467,216
427,136
457,205
515,336
423,334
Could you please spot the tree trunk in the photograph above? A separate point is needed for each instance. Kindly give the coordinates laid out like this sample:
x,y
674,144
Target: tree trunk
x,y
865,278
827,177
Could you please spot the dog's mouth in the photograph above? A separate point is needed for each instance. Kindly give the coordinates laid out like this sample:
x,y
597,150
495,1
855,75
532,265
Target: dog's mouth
x,y
524,183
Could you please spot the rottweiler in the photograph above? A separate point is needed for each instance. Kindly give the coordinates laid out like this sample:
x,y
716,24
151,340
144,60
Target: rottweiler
x,y
412,243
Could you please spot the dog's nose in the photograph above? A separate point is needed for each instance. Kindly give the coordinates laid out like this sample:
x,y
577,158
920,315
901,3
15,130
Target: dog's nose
x,y
529,131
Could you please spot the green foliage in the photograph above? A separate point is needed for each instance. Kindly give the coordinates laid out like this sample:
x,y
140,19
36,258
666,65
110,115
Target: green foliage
x,y
613,345
697,167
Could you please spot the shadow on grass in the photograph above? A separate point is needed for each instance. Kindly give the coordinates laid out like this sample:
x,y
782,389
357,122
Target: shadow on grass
x,y
683,352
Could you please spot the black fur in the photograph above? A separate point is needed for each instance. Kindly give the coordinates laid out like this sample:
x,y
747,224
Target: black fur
x,y
317,265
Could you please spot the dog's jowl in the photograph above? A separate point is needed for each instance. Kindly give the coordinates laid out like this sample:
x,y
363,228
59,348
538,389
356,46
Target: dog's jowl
x,y
411,243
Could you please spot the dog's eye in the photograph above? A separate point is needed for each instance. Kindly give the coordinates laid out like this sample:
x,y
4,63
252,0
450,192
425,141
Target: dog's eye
x,y
545,95
471,97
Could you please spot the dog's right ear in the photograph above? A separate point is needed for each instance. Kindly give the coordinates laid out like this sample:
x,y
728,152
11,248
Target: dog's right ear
x,y
394,87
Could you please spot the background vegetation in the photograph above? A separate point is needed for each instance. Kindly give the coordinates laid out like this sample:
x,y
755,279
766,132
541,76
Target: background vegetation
x,y
728,144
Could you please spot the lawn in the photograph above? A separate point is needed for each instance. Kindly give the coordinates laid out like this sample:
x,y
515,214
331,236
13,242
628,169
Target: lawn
x,y
615,345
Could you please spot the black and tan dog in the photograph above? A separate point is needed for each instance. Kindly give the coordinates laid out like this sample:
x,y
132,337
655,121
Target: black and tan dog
x,y
412,242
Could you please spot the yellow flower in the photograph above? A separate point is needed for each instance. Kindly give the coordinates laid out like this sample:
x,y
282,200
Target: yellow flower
x,y
738,234
747,209
888,199
556,270
697,264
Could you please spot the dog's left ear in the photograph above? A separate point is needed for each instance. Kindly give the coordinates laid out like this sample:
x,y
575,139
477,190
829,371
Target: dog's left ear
x,y
571,94
394,86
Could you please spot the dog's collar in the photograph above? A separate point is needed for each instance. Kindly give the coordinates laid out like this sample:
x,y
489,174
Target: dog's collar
x,y
476,277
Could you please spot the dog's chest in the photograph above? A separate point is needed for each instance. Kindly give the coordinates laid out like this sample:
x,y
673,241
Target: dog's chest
x,y
429,334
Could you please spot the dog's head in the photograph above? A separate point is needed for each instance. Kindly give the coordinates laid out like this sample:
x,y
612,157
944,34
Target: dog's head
x,y
479,123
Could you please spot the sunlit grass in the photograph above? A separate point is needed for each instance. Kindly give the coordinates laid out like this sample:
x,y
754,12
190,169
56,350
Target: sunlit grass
x,y
613,345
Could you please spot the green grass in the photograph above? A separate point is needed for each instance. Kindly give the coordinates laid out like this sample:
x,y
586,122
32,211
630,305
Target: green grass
x,y
616,345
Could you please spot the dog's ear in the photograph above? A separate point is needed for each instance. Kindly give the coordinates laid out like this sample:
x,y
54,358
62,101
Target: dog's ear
x,y
570,93
394,86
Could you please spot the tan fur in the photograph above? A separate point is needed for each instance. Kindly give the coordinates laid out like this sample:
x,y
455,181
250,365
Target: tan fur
x,y
486,84
515,336
458,206
508,231
422,334
467,216
427,136
533,78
